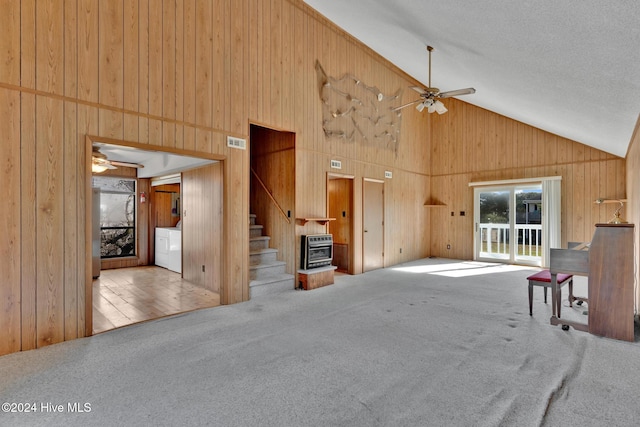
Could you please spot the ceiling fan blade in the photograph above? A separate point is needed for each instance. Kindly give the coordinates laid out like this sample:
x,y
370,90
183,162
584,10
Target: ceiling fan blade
x,y
449,94
406,105
420,90
126,164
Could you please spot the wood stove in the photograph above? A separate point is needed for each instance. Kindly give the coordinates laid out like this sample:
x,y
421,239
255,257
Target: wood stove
x,y
316,251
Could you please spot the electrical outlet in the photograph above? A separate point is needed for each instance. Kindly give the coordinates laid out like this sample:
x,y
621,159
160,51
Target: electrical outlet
x,y
448,246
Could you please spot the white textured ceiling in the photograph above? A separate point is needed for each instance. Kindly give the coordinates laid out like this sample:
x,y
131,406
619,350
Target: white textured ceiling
x,y
569,67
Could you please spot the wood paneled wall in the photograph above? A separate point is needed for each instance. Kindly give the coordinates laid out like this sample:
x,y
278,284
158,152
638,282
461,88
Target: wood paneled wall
x,y
472,144
185,75
202,245
162,199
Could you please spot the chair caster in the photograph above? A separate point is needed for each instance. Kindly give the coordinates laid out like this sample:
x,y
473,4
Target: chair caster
x,y
565,327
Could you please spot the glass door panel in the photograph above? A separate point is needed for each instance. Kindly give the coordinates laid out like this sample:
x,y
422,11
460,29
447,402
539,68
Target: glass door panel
x,y
494,225
528,224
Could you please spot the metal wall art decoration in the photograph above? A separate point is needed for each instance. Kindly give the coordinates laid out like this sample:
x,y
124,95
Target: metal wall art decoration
x,y
353,111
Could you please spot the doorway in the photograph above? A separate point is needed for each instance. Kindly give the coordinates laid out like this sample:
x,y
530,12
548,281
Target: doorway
x,y
509,224
272,191
340,206
142,291
373,224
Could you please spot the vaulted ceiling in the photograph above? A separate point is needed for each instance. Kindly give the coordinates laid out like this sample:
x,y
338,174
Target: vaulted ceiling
x,y
569,67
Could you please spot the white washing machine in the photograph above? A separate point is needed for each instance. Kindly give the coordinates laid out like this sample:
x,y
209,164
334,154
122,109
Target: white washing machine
x,y
169,248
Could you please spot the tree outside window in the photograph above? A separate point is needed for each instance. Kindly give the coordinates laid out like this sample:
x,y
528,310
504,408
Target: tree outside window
x,y
117,216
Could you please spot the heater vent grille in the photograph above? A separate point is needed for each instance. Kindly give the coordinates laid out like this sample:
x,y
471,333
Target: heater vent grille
x,y
238,143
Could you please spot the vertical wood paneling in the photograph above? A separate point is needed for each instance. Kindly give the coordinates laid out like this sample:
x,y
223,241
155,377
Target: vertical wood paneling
x,y
72,253
10,42
143,70
10,246
28,44
202,246
179,80
88,64
203,49
131,46
155,43
189,65
223,58
50,46
70,49
28,215
111,62
238,72
50,220
168,71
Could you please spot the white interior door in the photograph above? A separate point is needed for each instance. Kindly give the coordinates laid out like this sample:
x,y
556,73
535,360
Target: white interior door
x,y
373,225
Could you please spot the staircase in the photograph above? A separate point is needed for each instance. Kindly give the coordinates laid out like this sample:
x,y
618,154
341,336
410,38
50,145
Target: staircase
x,y
266,274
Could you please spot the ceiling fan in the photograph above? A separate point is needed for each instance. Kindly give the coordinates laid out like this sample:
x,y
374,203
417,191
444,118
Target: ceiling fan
x,y
100,162
430,96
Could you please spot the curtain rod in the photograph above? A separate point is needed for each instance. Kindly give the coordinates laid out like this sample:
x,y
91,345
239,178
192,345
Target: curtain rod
x,y
514,181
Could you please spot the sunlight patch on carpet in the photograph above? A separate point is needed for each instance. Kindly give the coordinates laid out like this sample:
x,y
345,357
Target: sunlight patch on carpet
x,y
462,269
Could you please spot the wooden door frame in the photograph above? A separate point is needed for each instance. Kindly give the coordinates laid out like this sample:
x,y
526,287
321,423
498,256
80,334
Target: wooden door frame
x,y
333,175
88,202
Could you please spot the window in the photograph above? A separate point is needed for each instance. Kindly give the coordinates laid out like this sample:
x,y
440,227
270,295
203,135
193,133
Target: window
x,y
117,216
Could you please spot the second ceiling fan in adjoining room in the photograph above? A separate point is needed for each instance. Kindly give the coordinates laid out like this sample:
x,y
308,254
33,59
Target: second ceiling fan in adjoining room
x,y
100,162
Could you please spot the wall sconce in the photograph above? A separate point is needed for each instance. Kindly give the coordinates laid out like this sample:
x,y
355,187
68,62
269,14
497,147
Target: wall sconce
x,y
616,216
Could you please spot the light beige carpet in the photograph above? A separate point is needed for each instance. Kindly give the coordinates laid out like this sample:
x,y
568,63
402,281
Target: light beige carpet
x,y
429,343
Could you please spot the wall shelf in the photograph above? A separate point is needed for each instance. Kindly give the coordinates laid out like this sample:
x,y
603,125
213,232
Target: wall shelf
x,y
322,221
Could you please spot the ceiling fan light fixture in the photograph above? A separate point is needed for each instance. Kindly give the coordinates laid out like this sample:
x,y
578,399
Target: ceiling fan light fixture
x,y
439,107
96,168
420,107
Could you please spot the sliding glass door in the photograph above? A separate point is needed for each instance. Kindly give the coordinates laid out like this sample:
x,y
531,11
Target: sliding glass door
x,y
508,223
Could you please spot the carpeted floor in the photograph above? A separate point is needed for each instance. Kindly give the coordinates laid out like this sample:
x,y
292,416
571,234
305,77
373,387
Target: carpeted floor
x,y
429,343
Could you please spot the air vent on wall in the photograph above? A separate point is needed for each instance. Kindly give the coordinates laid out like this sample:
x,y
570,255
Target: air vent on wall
x,y
336,164
234,142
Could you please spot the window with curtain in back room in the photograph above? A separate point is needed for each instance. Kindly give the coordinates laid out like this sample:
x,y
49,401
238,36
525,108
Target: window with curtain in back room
x,y
117,216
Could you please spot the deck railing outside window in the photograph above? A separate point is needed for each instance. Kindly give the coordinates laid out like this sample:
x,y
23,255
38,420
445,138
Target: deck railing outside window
x,y
495,240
